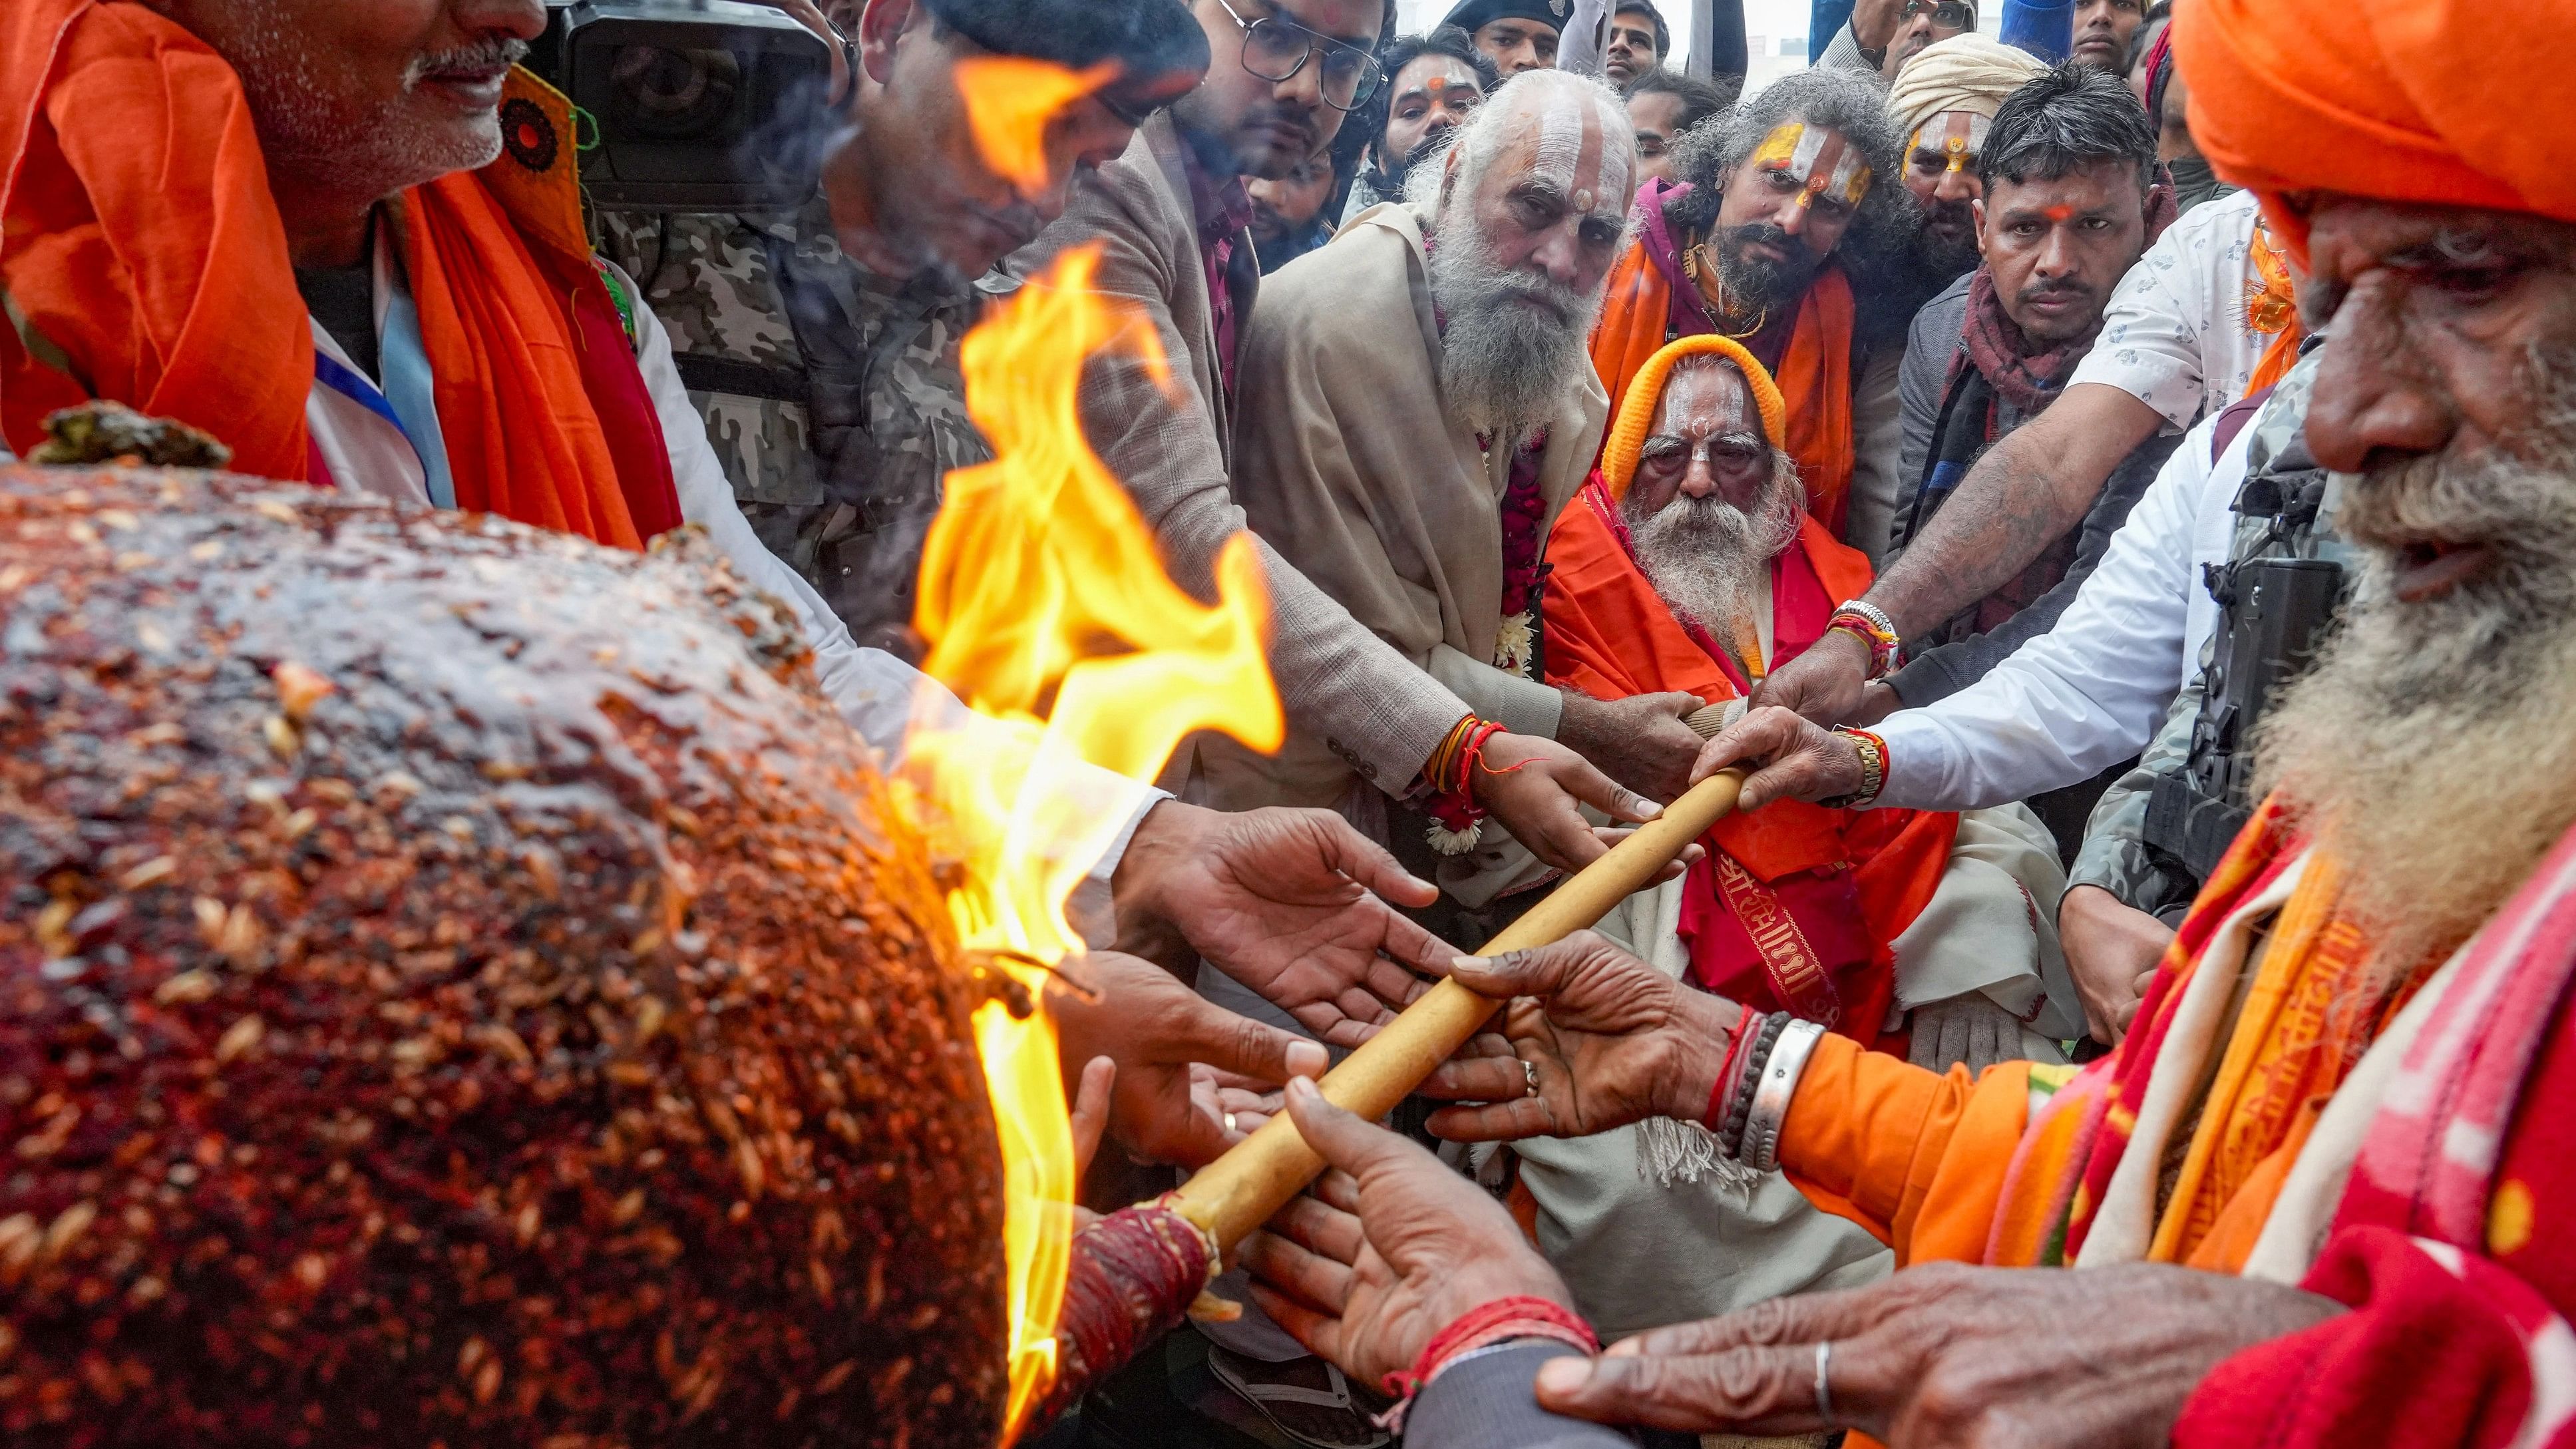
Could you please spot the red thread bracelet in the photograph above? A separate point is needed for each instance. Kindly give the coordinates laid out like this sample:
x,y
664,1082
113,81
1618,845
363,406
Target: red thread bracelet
x,y
1745,1027
1483,1326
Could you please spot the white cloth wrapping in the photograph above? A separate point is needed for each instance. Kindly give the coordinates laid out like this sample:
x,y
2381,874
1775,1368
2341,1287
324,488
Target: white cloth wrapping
x,y
1963,73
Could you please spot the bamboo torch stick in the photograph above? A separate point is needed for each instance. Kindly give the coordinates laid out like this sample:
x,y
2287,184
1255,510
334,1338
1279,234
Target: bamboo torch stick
x,y
1257,1176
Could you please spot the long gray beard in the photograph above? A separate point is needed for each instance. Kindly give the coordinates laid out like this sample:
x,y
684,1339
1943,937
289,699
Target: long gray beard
x,y
1708,559
1504,366
2431,749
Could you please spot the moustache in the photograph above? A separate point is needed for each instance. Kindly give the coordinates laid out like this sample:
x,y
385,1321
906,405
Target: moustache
x,y
1432,140
498,53
2056,291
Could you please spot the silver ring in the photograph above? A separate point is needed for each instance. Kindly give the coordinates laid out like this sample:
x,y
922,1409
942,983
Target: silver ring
x,y
1824,1393
1529,1071
1229,1122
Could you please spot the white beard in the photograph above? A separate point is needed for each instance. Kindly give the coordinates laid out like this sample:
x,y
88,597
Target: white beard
x,y
1709,560
1514,339
2431,749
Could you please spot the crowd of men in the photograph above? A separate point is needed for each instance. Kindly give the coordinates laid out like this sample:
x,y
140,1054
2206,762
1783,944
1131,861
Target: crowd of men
x,y
2142,605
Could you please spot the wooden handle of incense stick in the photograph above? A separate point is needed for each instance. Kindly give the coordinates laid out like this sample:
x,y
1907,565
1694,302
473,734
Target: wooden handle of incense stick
x,y
1257,1176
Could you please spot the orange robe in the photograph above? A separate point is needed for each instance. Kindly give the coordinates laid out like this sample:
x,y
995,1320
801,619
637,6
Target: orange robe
x,y
1795,906
1639,315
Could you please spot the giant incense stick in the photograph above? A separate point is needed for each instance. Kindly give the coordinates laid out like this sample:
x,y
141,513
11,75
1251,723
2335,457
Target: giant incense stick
x,y
1257,1177
1134,1271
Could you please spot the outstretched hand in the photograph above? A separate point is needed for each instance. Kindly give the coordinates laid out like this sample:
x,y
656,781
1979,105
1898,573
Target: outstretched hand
x,y
1610,1039
1163,1038
1797,760
1391,1247
1533,787
1946,1354
1293,904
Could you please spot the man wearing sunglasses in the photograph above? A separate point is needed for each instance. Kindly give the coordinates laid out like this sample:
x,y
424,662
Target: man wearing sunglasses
x,y
1170,219
1885,34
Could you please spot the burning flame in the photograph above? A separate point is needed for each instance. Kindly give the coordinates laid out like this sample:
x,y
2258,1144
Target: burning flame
x,y
1010,102
1048,612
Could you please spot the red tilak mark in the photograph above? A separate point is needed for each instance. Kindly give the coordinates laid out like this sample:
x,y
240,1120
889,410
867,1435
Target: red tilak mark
x,y
2059,213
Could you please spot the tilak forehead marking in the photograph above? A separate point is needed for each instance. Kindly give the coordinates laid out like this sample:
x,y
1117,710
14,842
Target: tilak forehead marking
x,y
1569,155
1959,136
1819,160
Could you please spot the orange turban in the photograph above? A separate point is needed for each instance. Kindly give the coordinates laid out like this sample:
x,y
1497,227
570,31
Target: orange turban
x,y
2432,101
1646,392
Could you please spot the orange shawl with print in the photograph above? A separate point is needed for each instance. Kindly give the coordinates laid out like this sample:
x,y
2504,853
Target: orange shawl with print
x,y
1814,374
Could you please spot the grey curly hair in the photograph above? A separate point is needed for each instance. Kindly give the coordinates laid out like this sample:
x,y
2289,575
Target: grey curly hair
x,y
1839,100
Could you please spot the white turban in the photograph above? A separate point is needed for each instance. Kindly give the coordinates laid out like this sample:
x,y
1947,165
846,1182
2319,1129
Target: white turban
x,y
1962,73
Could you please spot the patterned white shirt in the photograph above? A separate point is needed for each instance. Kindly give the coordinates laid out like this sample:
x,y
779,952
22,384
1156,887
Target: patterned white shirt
x,y
2175,336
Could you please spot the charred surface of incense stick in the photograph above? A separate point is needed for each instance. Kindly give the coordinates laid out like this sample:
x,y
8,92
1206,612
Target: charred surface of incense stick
x,y
1257,1176
458,985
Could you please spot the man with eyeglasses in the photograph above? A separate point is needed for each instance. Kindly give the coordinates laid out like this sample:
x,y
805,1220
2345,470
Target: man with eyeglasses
x,y
1170,219
1884,35
1516,35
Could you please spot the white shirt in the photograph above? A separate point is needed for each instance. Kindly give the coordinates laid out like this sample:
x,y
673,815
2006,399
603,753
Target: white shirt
x,y
879,695
2092,691
2174,336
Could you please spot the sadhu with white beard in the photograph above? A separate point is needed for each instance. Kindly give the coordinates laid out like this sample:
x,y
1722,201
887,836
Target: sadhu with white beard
x,y
1415,408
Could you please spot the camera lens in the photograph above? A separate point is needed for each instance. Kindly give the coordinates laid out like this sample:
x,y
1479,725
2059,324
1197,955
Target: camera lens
x,y
677,95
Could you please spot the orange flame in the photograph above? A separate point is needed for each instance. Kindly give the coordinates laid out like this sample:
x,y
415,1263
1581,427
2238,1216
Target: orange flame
x,y
1048,612
1010,102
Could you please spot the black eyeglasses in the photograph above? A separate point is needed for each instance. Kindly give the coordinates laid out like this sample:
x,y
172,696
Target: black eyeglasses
x,y
1956,14
1275,48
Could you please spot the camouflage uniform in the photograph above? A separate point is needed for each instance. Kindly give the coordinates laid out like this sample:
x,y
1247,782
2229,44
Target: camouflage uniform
x,y
832,395
2117,855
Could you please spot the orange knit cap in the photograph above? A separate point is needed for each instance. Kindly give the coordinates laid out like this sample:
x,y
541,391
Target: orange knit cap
x,y
1646,392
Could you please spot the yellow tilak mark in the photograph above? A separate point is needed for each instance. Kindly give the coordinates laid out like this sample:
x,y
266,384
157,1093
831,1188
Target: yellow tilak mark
x,y
1782,144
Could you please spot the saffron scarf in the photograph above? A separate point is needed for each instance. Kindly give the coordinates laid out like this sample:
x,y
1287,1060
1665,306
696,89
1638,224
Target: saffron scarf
x,y
133,176
1649,301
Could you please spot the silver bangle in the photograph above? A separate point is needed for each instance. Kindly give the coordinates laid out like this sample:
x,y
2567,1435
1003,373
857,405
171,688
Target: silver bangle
x,y
1780,1073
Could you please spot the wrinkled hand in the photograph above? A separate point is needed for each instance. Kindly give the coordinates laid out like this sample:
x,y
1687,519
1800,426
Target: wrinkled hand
x,y
1878,700
1967,1030
1945,1354
2112,950
1640,741
1281,900
1156,1029
1390,1249
1614,1040
1824,684
1532,786
1798,760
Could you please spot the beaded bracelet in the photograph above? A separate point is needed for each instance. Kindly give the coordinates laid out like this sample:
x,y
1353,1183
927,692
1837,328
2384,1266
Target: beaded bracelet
x,y
1869,623
1774,1085
1748,1079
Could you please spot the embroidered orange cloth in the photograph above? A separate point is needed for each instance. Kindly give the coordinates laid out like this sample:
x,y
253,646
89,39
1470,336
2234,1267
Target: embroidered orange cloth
x,y
2403,99
1969,1170
132,178
1814,373
1796,905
